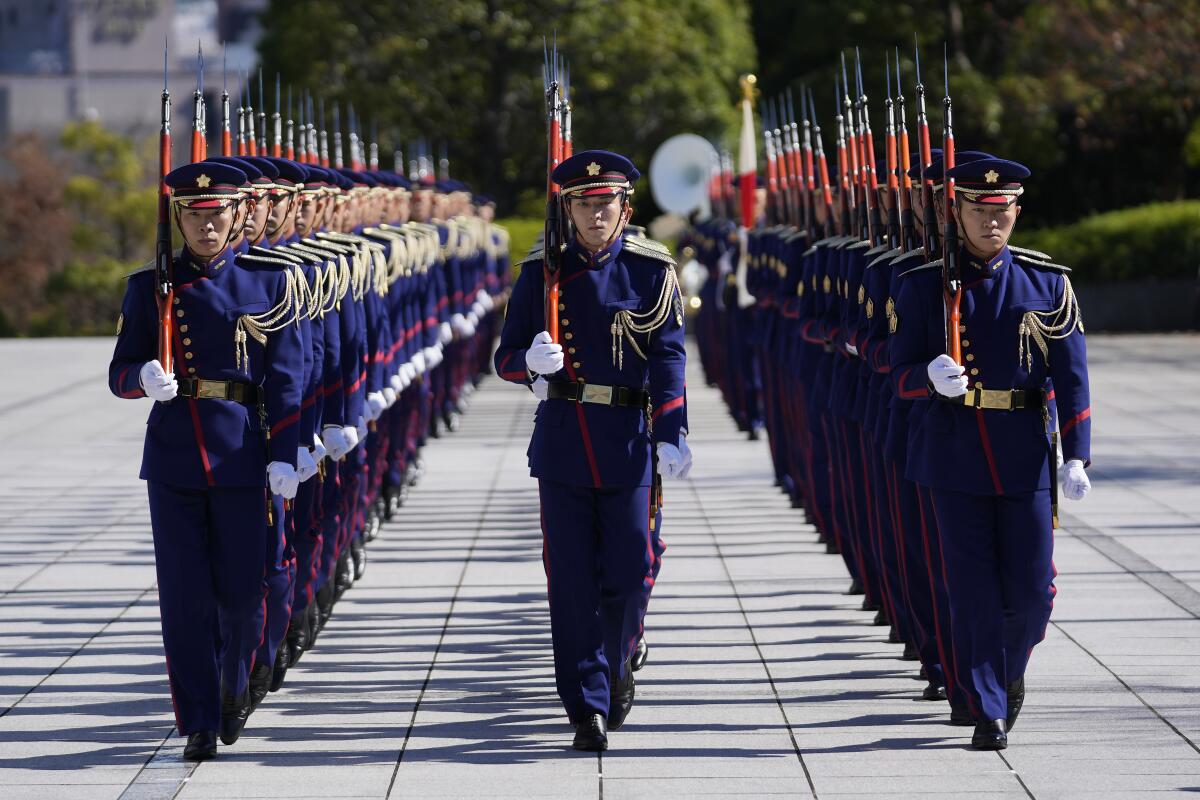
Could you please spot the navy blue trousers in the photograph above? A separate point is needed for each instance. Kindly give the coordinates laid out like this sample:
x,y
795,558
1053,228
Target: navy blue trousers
x,y
280,579
997,553
210,559
600,561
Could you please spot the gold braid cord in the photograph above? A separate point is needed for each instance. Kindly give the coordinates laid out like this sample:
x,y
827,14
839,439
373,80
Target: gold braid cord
x,y
1043,327
258,326
626,323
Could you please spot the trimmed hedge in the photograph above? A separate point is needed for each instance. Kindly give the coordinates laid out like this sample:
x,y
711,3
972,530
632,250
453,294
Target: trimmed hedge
x,y
1159,240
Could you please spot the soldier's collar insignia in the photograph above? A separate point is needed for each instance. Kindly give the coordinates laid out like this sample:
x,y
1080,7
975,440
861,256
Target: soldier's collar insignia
x,y
991,176
202,181
593,169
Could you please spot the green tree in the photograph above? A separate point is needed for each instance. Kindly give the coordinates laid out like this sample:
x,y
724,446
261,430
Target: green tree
x,y
469,73
1096,97
111,199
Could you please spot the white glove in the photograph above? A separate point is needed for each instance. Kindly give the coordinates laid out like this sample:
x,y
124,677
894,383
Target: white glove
x,y
336,444
484,299
158,385
283,479
397,381
947,377
306,465
469,326
671,461
477,310
459,323
376,404
1075,483
408,373
389,396
352,437
318,451
445,333
433,357
686,452
362,430
541,389
418,362
544,356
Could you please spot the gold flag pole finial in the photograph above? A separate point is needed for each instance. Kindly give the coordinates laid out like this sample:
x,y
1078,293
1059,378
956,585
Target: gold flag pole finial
x,y
748,83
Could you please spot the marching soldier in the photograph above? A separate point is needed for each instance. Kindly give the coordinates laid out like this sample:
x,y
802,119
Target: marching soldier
x,y
220,441
612,420
982,438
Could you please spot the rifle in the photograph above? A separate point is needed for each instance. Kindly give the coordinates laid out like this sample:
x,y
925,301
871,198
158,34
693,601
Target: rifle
x,y
251,143
373,150
568,146
198,109
551,240
242,149
893,180
291,128
337,137
843,158
772,165
951,283
262,114
929,216
226,138
803,157
908,226
277,123
162,246
822,166
323,139
867,141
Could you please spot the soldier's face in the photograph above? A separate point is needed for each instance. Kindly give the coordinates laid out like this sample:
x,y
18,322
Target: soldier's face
x,y
596,218
487,212
403,207
257,223
987,226
206,230
280,208
306,214
422,205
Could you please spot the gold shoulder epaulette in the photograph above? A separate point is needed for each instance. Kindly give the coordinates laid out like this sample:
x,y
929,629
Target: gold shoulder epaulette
x,y
254,258
650,248
1037,263
1025,251
886,257
931,265
149,265
533,255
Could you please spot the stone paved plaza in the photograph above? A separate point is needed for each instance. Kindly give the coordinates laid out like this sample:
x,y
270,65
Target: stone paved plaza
x,y
434,678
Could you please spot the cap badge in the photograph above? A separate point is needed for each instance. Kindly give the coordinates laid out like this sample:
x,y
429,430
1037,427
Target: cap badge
x,y
593,169
991,176
202,181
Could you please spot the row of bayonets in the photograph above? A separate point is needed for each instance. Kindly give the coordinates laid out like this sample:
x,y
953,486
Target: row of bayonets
x,y
304,139
796,161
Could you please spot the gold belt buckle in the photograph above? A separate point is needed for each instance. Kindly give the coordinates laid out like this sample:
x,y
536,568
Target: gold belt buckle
x,y
594,393
211,390
1000,399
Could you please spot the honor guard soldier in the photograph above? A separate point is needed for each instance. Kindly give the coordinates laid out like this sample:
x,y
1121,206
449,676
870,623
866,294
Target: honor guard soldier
x,y
612,419
982,439
220,440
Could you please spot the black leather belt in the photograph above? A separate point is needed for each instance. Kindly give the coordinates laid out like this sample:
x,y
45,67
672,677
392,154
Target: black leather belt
x,y
998,399
596,393
236,391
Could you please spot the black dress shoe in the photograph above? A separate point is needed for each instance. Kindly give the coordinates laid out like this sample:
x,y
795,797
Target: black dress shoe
x,y
283,660
856,587
201,746
910,652
1016,699
343,576
358,555
260,683
325,601
313,612
869,604
640,654
234,713
297,636
894,636
620,699
990,735
832,549
933,692
591,735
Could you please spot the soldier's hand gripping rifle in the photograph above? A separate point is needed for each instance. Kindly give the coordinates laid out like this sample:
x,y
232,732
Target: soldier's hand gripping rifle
x,y
552,235
162,248
951,280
